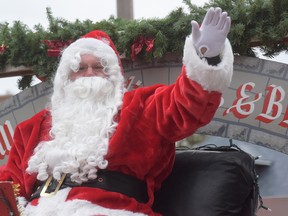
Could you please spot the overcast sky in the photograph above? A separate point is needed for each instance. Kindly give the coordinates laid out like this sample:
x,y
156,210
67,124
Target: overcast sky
x,y
32,12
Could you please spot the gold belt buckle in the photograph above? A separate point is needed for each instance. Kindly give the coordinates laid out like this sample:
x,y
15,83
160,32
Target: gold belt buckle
x,y
47,183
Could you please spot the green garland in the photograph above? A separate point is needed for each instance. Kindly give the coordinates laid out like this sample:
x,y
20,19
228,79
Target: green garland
x,y
266,20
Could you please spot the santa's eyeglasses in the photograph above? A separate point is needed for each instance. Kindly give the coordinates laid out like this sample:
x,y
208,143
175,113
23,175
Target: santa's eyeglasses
x,y
95,68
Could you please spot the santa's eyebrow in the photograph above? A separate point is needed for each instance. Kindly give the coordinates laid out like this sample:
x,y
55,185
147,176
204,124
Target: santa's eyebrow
x,y
93,64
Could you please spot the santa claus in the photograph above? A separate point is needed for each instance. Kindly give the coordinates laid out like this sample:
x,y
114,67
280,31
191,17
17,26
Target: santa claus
x,y
100,150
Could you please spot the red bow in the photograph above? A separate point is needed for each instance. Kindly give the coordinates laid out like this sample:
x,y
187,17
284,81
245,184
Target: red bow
x,y
2,48
55,46
138,45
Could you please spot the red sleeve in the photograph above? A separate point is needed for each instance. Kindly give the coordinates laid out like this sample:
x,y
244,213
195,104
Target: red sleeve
x,y
180,109
26,137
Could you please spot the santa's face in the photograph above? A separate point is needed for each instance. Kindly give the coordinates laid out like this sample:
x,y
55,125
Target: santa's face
x,y
89,66
88,94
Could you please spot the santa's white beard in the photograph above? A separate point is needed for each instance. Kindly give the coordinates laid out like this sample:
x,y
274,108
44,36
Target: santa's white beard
x,y
82,124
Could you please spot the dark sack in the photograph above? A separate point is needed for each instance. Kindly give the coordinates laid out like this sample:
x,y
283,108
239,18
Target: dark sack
x,y
218,181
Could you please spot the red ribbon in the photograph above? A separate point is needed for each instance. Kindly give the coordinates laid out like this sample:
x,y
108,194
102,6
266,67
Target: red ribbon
x,y
2,49
138,45
55,46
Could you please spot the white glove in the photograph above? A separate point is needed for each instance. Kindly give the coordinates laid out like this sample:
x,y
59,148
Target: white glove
x,y
210,38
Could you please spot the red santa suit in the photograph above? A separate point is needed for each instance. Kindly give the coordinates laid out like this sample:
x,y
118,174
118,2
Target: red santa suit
x,y
150,121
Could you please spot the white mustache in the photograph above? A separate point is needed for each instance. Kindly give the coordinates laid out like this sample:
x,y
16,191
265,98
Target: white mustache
x,y
84,87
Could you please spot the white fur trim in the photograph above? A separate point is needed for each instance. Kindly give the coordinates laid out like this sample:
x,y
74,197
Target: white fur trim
x,y
57,206
211,78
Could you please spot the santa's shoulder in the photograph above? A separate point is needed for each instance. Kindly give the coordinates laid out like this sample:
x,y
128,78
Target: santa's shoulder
x,y
36,120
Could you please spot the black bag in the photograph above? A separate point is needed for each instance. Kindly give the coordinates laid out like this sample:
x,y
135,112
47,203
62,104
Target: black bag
x,y
210,181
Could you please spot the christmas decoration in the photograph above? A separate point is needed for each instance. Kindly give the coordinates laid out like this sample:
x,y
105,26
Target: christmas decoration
x,y
138,45
55,46
2,49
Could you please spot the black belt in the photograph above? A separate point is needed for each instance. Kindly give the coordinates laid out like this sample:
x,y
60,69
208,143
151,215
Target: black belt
x,y
107,180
